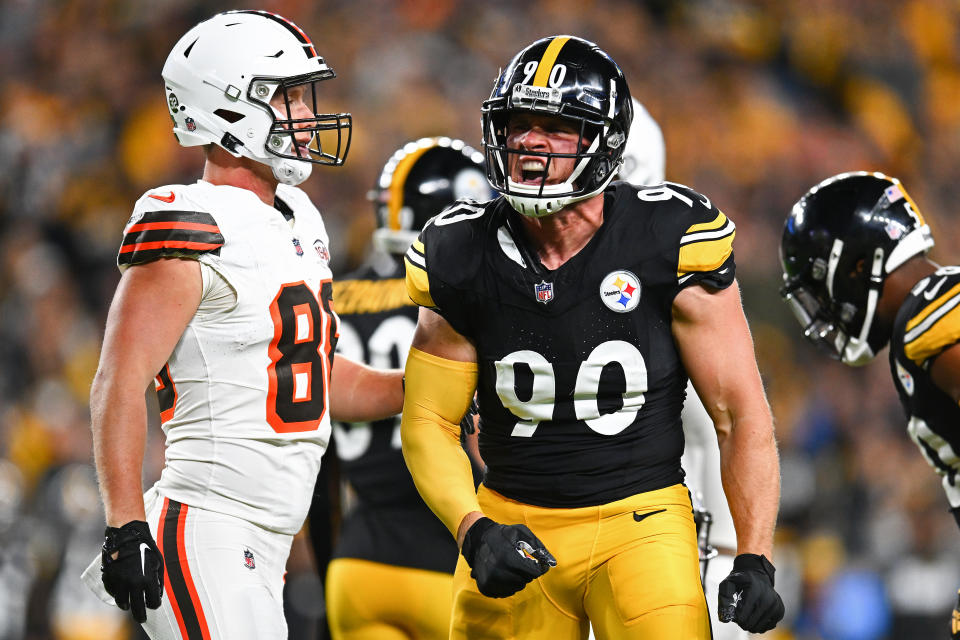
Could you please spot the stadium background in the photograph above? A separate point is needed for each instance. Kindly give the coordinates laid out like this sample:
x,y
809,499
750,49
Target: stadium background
x,y
757,100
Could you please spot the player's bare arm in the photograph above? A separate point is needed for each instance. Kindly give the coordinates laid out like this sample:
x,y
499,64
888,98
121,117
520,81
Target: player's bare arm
x,y
151,308
360,393
715,343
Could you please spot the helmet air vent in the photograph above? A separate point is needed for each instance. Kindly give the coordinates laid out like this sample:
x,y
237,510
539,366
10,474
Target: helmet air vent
x,y
186,52
229,116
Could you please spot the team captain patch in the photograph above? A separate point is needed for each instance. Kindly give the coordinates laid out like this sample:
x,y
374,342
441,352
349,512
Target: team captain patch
x,y
160,234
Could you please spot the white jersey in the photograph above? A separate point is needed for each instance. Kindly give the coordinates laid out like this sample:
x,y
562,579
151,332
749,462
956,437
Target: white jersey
x,y
244,397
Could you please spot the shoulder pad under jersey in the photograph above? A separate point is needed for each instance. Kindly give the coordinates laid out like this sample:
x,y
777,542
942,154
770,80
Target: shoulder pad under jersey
x,y
447,251
935,321
697,235
164,225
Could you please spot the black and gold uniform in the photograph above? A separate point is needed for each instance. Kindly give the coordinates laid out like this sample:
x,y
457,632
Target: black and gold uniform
x,y
928,323
580,390
580,384
388,536
391,572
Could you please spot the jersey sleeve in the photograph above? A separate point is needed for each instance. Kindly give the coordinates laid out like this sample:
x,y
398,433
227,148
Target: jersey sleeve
x,y
417,280
442,264
161,230
935,327
705,246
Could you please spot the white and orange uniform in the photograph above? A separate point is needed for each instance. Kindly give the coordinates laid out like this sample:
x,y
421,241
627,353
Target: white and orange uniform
x,y
244,403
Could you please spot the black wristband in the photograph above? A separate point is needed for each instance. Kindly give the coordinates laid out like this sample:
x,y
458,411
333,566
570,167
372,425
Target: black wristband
x,y
753,562
956,514
471,540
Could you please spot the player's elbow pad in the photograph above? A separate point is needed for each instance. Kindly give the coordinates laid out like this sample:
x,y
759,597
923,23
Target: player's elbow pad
x,y
437,394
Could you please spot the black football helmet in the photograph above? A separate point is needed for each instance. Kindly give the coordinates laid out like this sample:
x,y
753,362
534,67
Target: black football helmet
x,y
572,78
420,180
842,239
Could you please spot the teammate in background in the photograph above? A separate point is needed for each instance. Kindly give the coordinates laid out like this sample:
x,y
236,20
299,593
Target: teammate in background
x,y
389,537
856,276
576,308
226,292
644,160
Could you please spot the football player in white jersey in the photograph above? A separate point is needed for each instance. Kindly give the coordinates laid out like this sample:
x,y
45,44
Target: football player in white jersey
x,y
644,159
225,304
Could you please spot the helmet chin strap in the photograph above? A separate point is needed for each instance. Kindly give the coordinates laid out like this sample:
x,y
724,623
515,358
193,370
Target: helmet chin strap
x,y
857,352
290,172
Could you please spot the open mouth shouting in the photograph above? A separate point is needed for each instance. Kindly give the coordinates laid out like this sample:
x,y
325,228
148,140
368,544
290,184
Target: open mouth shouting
x,y
531,170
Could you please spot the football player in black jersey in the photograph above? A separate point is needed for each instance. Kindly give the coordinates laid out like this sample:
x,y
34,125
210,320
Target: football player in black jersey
x,y
576,308
857,277
388,537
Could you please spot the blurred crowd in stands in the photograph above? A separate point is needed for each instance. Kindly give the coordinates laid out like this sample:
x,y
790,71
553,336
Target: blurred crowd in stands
x,y
758,100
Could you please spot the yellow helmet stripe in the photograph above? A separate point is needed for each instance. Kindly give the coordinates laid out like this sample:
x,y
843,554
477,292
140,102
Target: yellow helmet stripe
x,y
546,62
395,202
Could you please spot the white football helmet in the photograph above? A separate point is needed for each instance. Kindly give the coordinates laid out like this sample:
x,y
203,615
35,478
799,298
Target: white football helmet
x,y
644,158
221,76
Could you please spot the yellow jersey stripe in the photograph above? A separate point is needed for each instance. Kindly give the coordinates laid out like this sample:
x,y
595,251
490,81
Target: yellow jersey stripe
x,y
395,201
547,61
943,333
716,223
932,307
418,285
705,255
418,247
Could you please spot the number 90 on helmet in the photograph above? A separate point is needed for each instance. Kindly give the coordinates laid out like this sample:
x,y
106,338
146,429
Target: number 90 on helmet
x,y
568,77
421,179
221,77
840,242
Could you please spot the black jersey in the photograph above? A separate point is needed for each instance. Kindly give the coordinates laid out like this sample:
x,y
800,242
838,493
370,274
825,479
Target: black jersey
x,y
389,522
580,383
927,323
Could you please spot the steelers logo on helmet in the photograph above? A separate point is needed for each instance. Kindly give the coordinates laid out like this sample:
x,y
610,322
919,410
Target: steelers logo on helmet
x,y
620,291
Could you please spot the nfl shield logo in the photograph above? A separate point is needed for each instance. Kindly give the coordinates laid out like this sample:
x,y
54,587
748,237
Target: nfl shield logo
x,y
544,291
296,245
248,560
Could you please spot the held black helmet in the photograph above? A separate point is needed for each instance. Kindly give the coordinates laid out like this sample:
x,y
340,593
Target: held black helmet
x,y
569,77
840,242
420,180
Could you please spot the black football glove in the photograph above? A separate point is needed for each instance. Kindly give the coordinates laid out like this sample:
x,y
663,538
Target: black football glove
x,y
504,558
132,568
955,620
747,596
467,423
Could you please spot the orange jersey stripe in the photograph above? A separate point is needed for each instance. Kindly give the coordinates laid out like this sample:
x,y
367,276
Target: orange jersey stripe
x,y
169,244
149,226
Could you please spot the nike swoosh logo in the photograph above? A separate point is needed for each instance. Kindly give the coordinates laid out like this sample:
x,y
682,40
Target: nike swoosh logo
x,y
168,199
929,295
143,557
640,516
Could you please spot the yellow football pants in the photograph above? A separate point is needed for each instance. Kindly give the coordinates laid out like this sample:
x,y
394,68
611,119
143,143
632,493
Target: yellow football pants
x,y
630,575
374,601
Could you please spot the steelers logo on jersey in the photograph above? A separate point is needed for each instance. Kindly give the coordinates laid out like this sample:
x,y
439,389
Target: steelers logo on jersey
x,y
620,291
